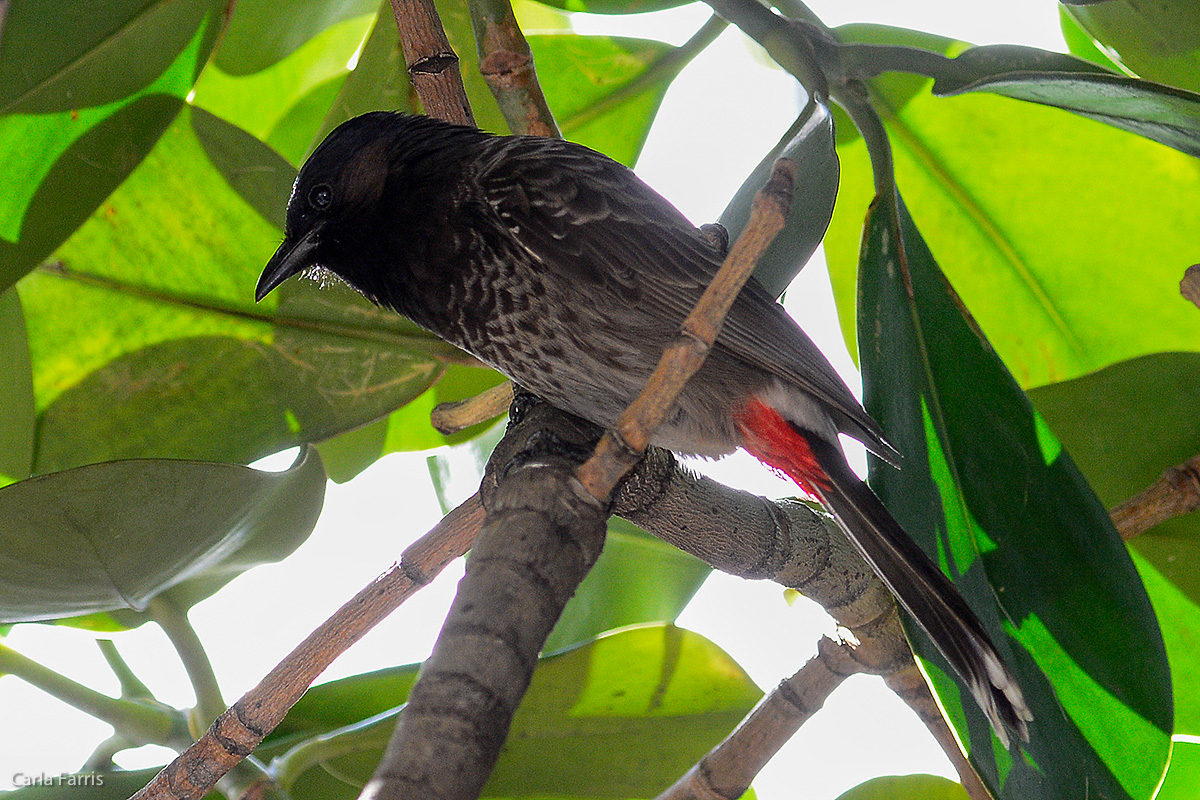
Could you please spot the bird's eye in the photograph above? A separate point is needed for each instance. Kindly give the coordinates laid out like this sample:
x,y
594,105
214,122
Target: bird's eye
x,y
320,196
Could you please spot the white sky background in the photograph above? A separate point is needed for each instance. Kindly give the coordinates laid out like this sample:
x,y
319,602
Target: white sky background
x,y
720,116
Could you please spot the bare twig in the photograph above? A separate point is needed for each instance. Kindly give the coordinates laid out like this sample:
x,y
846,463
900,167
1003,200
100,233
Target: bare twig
x,y
1176,492
1189,287
910,686
241,728
432,64
506,63
726,772
448,418
621,448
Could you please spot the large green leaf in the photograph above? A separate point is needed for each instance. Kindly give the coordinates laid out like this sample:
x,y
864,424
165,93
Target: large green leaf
x,y
112,536
1052,228
16,392
1157,39
992,496
1183,776
1179,620
263,32
601,89
1162,113
164,353
265,100
1124,425
906,787
620,717
74,54
66,139
637,579
809,143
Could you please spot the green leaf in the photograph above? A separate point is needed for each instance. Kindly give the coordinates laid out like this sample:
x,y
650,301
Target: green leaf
x,y
614,6
256,172
638,579
1124,425
1157,40
1183,776
992,496
263,32
112,536
1179,619
904,787
60,164
379,79
622,716
1162,113
16,392
604,91
73,54
170,265
1061,256
260,102
809,143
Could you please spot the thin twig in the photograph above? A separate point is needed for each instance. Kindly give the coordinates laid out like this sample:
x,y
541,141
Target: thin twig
x,y
506,63
726,771
432,64
240,729
1176,492
621,448
449,418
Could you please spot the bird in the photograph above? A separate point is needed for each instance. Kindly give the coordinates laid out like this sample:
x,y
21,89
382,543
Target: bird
x,y
564,271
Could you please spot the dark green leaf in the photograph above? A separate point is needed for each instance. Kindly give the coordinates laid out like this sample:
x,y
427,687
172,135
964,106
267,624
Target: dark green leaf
x,y
1158,40
16,392
638,579
992,496
262,32
1162,113
1124,425
261,102
112,536
73,54
906,787
256,172
379,80
809,142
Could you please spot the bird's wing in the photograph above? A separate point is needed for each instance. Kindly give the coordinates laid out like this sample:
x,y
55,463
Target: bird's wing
x,y
580,213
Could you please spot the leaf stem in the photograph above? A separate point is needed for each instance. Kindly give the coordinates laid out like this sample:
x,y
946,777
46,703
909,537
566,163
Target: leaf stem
x,y
131,684
174,623
138,721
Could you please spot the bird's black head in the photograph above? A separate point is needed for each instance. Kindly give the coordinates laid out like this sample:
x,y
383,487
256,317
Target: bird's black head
x,y
335,198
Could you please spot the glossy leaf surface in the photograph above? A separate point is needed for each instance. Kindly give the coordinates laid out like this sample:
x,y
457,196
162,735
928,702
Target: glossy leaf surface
x,y
992,496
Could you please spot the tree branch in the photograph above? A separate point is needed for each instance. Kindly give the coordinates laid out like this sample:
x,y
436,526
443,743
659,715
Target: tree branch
x,y
506,63
241,728
432,64
1176,492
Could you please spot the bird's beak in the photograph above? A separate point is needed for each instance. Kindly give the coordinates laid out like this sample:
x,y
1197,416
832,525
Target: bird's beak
x,y
287,261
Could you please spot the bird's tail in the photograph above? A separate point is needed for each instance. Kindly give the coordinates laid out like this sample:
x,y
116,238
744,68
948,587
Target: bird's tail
x,y
819,467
